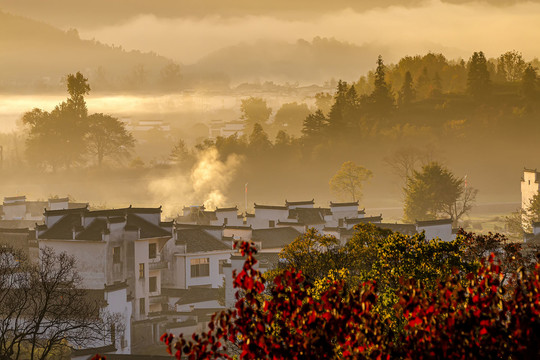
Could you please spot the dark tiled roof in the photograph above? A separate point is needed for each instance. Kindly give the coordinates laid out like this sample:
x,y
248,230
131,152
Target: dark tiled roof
x,y
193,295
238,227
15,198
433,222
96,350
406,229
275,237
271,207
124,211
198,240
116,286
63,229
66,211
294,203
227,209
94,231
250,215
14,230
333,204
364,220
290,223
148,230
308,216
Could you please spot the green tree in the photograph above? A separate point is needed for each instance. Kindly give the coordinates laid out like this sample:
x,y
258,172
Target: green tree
x,y
510,66
108,137
77,88
435,192
290,117
254,111
381,99
478,79
407,94
314,125
349,180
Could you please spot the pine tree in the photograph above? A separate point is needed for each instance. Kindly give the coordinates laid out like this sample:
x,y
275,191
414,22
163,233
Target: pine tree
x,y
528,83
478,81
407,93
381,99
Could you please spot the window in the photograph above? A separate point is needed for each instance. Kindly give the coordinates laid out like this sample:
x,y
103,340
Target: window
x,y
152,284
142,306
113,334
271,223
221,263
152,251
340,222
116,255
141,271
200,267
225,221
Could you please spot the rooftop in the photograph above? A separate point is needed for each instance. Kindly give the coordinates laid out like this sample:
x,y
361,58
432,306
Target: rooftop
x,y
198,240
275,237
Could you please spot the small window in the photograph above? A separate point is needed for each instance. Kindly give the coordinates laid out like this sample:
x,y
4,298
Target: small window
x,y
340,222
225,221
141,271
200,267
271,223
152,251
221,263
142,306
116,255
152,284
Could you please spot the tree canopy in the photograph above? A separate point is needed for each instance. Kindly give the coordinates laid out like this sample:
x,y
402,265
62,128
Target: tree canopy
x,y
349,180
435,192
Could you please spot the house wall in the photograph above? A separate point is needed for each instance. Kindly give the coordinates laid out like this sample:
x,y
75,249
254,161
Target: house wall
x,y
529,187
215,279
117,304
238,234
15,211
263,216
91,258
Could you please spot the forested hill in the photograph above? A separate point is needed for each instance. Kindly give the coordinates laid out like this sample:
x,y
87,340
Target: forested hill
x,y
304,61
35,56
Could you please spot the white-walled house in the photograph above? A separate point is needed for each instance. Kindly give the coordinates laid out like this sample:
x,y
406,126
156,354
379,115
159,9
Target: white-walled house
x,y
441,229
116,249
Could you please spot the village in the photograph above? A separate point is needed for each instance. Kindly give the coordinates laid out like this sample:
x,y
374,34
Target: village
x,y
170,275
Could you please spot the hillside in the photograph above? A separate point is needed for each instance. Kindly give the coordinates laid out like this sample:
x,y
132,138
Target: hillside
x,y
35,56
313,61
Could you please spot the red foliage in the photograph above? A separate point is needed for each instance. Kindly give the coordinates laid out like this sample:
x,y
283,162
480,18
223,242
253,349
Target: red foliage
x,y
465,317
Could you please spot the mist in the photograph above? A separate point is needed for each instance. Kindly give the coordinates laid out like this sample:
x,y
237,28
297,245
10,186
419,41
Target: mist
x,y
464,28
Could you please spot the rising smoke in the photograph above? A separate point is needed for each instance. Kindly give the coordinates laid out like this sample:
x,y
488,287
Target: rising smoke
x,y
206,183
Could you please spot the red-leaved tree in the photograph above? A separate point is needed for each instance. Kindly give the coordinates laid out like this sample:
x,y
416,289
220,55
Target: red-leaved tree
x,y
474,316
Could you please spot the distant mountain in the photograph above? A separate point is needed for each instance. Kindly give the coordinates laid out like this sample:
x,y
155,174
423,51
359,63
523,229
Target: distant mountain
x,y
35,56
313,61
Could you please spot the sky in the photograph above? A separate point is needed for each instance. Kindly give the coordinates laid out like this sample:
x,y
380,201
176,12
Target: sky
x,y
187,31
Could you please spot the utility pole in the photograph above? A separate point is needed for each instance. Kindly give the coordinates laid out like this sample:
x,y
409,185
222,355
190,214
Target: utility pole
x,y
245,198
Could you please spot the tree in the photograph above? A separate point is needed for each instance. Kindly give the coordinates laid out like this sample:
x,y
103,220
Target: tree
x,y
254,111
381,99
349,180
469,315
435,192
290,117
180,153
510,66
77,87
478,80
259,142
314,125
108,137
406,94
405,160
43,307
529,81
